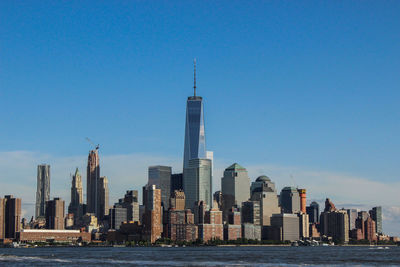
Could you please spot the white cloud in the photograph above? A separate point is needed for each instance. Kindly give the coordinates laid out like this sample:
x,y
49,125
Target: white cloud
x,y
18,177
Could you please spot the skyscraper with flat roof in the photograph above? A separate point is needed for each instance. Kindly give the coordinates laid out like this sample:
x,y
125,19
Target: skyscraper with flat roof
x,y
235,188
43,189
290,200
160,176
195,140
55,214
376,215
103,197
10,217
313,212
197,183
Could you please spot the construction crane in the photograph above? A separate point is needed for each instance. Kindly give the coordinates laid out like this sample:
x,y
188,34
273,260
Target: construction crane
x,y
90,141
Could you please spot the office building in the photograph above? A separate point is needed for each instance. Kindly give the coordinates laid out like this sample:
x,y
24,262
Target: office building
x,y
93,179
55,212
160,176
103,198
10,217
195,140
263,191
43,189
234,188
376,215
304,225
313,212
117,215
197,183
290,200
251,231
76,205
131,203
177,201
284,227
251,212
176,182
353,214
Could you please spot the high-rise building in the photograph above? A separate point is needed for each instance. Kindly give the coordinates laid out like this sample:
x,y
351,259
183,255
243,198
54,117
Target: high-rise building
x,y
131,203
211,226
195,140
197,183
177,201
290,200
334,223
160,176
43,189
263,191
2,218
210,156
304,225
353,214
235,188
117,216
10,217
76,205
376,214
93,177
251,212
370,229
313,212
176,182
152,219
283,227
55,213
103,197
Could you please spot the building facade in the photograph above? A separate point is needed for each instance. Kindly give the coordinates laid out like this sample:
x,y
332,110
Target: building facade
x,y
197,183
76,205
10,217
234,188
152,219
43,189
376,215
93,177
103,197
290,200
160,176
313,212
55,212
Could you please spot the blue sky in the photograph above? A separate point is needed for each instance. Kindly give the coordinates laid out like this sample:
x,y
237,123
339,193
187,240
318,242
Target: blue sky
x,y
311,85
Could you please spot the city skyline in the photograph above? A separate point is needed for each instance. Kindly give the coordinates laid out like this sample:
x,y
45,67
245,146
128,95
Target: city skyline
x,y
330,124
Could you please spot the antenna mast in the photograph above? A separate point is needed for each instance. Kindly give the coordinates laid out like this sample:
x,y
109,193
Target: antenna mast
x,y
194,86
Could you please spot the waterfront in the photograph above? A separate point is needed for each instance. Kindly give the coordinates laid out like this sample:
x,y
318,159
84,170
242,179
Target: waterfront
x,y
201,256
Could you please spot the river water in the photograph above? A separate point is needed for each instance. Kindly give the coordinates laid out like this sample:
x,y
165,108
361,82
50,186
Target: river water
x,y
200,256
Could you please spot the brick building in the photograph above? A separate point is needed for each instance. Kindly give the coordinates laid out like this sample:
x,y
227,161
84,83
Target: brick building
x,y
46,235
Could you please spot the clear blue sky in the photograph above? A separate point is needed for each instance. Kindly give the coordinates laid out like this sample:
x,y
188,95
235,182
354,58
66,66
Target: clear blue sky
x,y
301,83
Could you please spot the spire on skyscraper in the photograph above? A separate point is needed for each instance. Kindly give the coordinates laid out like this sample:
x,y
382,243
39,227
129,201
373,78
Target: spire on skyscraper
x,y
194,81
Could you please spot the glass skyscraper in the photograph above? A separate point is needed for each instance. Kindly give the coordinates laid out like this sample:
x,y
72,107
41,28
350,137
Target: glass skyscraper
x,y
195,140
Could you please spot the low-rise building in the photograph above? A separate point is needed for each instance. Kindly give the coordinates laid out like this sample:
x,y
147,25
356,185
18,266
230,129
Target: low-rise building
x,y
47,235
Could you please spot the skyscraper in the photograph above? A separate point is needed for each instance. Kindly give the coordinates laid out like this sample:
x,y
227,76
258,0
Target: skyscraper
x,y
160,176
290,200
55,214
76,205
152,221
43,189
195,140
234,187
10,217
313,212
197,183
376,214
263,191
93,177
103,197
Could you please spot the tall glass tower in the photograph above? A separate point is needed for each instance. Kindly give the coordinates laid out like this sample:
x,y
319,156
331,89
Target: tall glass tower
x,y
195,140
